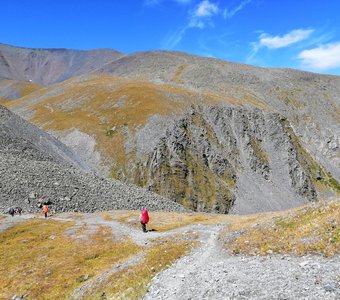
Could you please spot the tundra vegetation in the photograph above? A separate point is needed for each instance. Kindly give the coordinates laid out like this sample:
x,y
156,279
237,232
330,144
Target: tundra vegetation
x,y
53,258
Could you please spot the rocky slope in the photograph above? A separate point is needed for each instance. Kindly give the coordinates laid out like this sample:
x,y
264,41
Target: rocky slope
x,y
214,135
48,66
310,101
33,164
24,140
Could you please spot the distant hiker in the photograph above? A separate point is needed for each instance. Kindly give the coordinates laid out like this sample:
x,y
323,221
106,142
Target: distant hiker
x,y
45,209
18,210
144,219
11,211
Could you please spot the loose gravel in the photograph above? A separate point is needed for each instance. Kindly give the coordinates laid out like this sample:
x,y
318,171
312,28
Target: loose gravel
x,y
211,273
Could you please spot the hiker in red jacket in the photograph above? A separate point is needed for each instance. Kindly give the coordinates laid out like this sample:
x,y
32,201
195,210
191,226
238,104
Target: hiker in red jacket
x,y
45,210
144,219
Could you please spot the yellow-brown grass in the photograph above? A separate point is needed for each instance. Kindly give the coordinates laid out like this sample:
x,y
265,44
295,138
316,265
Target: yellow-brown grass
x,y
311,229
165,221
103,102
177,76
39,259
131,283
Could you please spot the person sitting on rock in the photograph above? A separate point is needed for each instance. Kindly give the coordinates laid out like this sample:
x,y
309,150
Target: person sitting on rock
x,y
144,219
45,210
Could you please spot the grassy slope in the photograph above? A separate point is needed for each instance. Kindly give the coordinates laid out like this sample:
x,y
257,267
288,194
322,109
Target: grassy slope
x,y
38,258
44,260
97,103
56,260
312,229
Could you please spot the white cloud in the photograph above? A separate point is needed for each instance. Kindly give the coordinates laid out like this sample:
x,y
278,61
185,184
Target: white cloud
x,y
227,14
274,42
324,57
202,15
206,9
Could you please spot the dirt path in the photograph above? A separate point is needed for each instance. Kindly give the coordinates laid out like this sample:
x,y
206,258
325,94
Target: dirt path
x,y
209,272
176,282
8,221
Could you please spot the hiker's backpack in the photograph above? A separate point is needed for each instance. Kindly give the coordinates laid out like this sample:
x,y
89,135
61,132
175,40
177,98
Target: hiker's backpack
x,y
145,216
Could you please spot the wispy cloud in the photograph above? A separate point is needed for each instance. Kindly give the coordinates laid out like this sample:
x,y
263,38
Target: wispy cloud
x,y
174,38
155,2
227,14
206,9
290,38
200,18
324,57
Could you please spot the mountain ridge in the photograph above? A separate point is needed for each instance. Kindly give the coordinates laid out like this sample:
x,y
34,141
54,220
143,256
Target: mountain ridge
x,y
48,66
117,119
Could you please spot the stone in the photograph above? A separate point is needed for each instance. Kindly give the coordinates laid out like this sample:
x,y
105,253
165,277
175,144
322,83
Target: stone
x,y
32,195
304,263
329,287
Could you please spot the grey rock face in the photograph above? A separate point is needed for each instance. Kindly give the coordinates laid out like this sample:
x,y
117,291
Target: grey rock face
x,y
226,159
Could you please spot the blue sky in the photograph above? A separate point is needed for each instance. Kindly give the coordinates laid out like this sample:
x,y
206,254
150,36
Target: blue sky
x,y
301,34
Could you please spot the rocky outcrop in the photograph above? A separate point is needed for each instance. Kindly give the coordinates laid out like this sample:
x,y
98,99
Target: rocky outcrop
x,y
224,159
